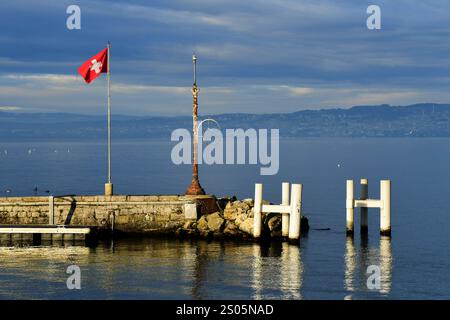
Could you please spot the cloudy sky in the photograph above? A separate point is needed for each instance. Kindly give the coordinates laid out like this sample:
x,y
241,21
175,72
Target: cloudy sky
x,y
255,56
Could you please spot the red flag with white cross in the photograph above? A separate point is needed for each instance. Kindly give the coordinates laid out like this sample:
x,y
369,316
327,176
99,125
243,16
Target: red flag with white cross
x,y
92,68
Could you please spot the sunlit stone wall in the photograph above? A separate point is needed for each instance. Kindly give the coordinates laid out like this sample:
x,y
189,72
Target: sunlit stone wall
x,y
140,214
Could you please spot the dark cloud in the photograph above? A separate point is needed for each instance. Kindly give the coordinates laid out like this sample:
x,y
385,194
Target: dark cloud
x,y
254,56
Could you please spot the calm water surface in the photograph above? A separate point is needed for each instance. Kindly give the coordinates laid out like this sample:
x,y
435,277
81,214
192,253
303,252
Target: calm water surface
x,y
414,264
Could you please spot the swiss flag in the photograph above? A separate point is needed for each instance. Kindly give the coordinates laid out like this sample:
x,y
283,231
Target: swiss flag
x,y
92,68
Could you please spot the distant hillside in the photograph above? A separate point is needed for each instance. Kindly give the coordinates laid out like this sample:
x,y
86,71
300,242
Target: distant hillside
x,y
419,120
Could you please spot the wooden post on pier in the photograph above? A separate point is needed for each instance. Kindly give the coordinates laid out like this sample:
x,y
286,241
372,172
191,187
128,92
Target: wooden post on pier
x,y
285,215
350,207
257,208
364,194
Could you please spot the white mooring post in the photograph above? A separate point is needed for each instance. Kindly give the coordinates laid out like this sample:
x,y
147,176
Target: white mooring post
x,y
350,206
257,223
364,194
295,214
51,210
285,215
385,209
290,211
384,204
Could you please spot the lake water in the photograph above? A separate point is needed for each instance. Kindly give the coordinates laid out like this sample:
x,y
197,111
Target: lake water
x,y
414,263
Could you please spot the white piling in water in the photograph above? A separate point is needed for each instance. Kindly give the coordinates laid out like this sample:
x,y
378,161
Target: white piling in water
x,y
290,210
295,214
285,215
257,208
385,209
364,194
350,207
384,204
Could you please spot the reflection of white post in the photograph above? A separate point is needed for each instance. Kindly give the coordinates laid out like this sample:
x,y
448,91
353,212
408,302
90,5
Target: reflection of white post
x,y
350,206
295,215
364,195
285,215
350,264
385,209
257,210
385,264
258,277
291,272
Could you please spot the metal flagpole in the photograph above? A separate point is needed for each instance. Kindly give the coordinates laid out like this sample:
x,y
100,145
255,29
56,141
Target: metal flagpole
x,y
109,185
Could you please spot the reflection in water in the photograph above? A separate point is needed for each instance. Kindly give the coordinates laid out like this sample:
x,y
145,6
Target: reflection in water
x,y
291,271
350,264
283,274
172,269
357,262
386,264
202,254
272,271
37,272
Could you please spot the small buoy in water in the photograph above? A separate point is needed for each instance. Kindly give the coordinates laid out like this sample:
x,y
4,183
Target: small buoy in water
x,y
29,151
339,165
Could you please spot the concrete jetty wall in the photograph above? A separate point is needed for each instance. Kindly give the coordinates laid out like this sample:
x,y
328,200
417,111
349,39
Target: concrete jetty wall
x,y
131,214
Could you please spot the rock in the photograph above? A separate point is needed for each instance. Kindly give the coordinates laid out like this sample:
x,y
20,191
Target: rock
x,y
274,223
304,224
215,221
230,229
241,217
247,226
189,225
202,225
236,220
237,210
244,207
230,213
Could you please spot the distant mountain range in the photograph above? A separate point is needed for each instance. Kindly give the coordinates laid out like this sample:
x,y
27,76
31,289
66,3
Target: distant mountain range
x,y
419,120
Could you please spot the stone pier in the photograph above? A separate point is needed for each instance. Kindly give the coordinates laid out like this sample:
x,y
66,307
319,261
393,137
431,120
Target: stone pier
x,y
152,214
201,216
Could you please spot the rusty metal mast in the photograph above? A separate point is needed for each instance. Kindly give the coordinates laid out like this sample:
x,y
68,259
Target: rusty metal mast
x,y
195,188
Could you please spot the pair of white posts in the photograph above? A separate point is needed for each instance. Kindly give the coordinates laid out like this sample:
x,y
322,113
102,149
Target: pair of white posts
x,y
384,204
290,211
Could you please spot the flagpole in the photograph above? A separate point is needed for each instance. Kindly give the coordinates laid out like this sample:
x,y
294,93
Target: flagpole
x,y
109,185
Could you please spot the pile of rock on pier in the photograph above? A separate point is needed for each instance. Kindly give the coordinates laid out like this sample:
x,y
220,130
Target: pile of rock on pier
x,y
234,220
